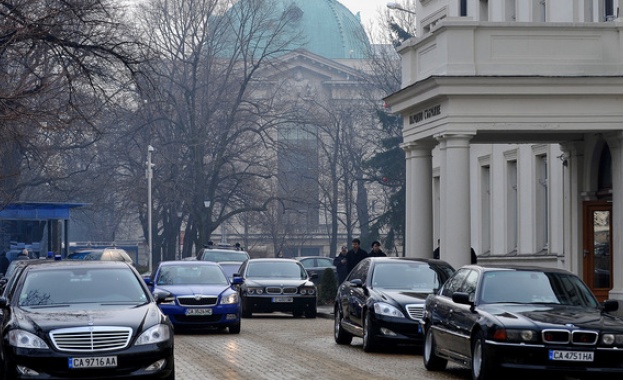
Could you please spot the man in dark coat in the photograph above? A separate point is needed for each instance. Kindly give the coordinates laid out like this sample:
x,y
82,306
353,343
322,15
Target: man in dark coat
x,y
341,265
355,255
376,250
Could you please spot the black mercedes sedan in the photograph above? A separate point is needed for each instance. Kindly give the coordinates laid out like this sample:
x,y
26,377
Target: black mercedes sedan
x,y
382,300
518,319
276,285
83,319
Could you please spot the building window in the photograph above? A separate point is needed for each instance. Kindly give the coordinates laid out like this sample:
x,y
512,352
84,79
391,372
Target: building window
x,y
609,13
541,203
511,207
463,8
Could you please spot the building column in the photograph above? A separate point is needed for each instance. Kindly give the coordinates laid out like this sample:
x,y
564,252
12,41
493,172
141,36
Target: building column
x,y
455,245
572,177
616,150
419,199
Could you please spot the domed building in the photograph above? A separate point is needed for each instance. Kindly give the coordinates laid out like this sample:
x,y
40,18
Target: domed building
x,y
319,74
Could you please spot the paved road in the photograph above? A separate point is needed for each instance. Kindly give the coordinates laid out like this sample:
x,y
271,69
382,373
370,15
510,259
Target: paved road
x,y
280,347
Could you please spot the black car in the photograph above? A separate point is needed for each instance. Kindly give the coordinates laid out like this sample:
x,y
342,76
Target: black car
x,y
271,285
382,300
513,319
83,319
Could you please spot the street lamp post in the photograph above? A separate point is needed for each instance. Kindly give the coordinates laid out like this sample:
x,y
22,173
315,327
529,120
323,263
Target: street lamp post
x,y
149,175
398,7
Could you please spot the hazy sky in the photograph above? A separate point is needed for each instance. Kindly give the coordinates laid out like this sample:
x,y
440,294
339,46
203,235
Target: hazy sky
x,y
369,9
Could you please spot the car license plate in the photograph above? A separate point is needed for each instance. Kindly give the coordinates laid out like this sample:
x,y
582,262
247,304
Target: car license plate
x,y
94,362
571,356
198,311
282,299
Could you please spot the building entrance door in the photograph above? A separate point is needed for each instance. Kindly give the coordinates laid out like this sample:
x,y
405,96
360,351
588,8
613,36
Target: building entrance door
x,y
597,247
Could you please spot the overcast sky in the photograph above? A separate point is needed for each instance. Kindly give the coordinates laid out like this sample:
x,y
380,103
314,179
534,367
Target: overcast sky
x,y
369,9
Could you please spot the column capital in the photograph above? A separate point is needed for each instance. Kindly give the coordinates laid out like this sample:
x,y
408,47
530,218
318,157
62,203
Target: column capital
x,y
412,146
454,139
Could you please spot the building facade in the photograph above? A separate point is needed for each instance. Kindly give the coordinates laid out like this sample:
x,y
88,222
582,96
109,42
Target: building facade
x,y
513,130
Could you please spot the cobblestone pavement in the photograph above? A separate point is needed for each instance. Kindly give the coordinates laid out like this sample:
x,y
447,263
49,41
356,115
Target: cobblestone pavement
x,y
280,347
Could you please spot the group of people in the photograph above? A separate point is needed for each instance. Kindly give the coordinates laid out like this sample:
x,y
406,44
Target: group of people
x,y
346,260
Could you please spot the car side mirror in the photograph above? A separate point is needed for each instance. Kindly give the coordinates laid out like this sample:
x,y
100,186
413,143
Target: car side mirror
x,y
611,305
162,297
236,280
357,283
148,281
3,302
462,298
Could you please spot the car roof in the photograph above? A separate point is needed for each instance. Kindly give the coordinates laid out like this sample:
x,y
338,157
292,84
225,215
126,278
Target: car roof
x,y
51,264
489,268
311,257
188,263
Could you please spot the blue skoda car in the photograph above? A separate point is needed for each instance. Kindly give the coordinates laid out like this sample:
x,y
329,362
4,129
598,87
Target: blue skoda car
x,y
198,295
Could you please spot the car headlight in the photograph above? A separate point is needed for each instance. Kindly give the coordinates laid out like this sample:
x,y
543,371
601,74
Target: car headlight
x,y
610,339
255,291
230,299
309,291
24,339
382,308
510,335
155,334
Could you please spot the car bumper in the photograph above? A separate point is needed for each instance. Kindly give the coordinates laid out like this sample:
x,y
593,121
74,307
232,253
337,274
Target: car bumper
x,y
398,330
222,316
537,357
133,362
269,304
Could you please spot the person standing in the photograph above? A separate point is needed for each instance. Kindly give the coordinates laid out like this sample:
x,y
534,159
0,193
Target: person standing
x,y
341,265
376,250
4,262
355,255
23,255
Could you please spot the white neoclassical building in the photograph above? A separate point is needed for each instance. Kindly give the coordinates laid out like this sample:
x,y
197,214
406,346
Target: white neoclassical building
x,y
513,132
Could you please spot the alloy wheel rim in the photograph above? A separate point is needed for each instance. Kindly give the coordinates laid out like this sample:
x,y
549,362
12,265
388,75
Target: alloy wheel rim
x,y
477,359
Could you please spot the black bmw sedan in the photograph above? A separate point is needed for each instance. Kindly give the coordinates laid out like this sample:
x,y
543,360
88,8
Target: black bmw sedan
x,y
382,300
495,320
276,285
83,319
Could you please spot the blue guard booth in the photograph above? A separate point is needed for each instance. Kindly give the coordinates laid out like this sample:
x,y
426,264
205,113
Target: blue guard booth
x,y
41,226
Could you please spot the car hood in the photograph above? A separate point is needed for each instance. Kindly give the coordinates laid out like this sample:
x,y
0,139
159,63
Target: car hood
x,y
44,320
544,316
402,297
277,282
180,290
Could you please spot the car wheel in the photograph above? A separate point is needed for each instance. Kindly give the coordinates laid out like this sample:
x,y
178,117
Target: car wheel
x,y
432,362
370,343
311,312
235,329
341,336
481,368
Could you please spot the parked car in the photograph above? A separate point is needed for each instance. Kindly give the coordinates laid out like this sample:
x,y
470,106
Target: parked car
x,y
107,254
271,285
316,265
84,319
382,300
508,319
201,295
223,253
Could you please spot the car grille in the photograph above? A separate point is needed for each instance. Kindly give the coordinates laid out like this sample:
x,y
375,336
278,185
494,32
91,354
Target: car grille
x,y
415,311
276,290
197,300
579,337
91,338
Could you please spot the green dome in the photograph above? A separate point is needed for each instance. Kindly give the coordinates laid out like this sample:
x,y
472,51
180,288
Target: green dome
x,y
327,27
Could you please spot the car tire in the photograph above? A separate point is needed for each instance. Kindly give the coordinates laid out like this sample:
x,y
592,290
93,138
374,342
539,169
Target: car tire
x,y
370,342
481,367
341,336
312,312
234,329
432,362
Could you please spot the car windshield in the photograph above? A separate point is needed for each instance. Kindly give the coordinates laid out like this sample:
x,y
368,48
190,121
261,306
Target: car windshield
x,y
272,269
218,256
191,275
69,286
409,276
517,286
